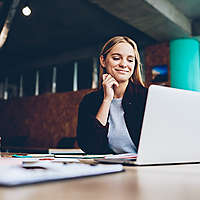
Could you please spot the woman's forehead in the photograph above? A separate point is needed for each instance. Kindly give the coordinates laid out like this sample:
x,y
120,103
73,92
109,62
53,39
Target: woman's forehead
x,y
123,48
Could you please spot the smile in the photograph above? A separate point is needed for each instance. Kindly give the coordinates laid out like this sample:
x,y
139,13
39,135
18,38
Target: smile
x,y
120,70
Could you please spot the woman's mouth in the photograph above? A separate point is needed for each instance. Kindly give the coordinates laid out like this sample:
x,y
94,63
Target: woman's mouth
x,y
121,70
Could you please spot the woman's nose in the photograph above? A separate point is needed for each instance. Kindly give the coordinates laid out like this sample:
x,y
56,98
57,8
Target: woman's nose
x,y
123,63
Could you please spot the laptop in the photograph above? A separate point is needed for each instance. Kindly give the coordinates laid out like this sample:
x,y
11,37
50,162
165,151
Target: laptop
x,y
171,128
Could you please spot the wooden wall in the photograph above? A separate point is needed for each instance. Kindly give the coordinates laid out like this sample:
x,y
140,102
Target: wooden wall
x,y
40,121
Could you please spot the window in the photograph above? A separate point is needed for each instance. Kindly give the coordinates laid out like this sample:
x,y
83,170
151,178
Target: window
x,y
45,79
70,76
29,80
64,77
85,69
13,83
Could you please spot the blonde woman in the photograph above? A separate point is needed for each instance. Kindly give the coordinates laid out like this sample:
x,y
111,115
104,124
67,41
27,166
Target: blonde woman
x,y
110,119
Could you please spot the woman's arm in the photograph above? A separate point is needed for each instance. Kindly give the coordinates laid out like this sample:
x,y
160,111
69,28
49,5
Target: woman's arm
x,y
91,133
103,112
92,127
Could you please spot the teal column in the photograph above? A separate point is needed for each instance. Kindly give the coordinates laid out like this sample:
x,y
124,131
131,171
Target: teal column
x,y
184,64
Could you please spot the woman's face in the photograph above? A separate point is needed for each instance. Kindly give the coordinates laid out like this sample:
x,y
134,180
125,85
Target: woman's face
x,y
120,62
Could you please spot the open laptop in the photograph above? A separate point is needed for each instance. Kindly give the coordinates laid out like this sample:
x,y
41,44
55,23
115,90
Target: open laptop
x,y
171,127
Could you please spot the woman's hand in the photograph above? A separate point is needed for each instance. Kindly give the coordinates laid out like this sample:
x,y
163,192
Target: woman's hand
x,y
108,85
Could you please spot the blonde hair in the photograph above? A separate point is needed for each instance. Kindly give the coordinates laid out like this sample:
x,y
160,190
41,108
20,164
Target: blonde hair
x,y
110,44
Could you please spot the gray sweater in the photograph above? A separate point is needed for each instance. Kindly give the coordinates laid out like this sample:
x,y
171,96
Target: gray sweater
x,y
118,136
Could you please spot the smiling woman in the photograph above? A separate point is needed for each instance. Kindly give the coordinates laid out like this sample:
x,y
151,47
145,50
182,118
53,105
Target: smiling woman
x,y
110,119
119,63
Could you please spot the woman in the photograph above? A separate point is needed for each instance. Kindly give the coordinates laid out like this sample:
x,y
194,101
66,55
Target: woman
x,y
110,119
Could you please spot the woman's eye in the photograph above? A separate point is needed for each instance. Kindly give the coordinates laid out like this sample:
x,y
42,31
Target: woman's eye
x,y
116,58
131,60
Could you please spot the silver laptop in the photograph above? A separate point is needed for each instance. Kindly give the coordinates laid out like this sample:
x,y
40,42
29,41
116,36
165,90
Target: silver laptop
x,y
171,127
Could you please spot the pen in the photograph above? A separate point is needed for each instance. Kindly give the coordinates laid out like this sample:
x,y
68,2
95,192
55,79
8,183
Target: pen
x,y
19,156
46,159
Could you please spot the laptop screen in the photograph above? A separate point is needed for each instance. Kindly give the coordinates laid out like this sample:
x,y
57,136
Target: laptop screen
x,y
170,131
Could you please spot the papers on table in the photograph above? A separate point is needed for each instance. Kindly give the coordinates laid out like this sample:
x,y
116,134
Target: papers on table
x,y
4,162
40,155
30,162
29,168
80,156
13,176
33,168
122,156
66,151
32,155
124,159
73,153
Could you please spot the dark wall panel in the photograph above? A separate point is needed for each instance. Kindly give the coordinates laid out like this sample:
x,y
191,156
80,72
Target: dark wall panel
x,y
40,121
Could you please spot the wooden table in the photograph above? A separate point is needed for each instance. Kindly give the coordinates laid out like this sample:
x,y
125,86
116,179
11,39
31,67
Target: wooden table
x,y
139,183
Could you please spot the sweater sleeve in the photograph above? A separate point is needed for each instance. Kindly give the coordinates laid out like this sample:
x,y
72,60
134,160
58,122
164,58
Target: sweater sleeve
x,y
91,134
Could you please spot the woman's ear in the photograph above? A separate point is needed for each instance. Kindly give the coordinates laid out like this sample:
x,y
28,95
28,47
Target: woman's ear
x,y
102,61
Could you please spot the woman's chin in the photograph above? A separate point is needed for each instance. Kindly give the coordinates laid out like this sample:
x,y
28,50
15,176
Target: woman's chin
x,y
122,80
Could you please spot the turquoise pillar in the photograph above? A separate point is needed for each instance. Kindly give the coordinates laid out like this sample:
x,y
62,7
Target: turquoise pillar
x,y
184,64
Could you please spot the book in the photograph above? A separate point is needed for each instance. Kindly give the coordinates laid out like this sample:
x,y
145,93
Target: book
x,y
80,156
66,151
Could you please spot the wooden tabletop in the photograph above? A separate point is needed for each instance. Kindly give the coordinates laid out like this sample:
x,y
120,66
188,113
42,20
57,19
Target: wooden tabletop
x,y
139,183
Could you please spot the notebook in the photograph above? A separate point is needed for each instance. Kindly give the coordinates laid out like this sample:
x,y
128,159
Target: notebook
x,y
45,171
171,128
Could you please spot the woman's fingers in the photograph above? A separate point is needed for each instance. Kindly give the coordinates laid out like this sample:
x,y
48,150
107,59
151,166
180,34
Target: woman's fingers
x,y
109,81
105,76
112,82
116,83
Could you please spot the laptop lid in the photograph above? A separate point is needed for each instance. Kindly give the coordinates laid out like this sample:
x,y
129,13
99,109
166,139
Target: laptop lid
x,y
171,127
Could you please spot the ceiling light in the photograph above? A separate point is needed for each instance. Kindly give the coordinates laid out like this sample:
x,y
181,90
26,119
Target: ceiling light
x,y
26,11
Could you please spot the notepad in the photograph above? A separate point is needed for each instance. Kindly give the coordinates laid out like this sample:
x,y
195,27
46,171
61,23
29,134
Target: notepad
x,y
14,176
80,156
66,151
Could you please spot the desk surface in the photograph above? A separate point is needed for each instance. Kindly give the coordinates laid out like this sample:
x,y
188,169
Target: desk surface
x,y
139,183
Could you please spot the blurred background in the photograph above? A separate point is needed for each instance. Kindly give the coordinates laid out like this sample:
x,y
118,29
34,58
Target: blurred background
x,y
51,47
46,41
